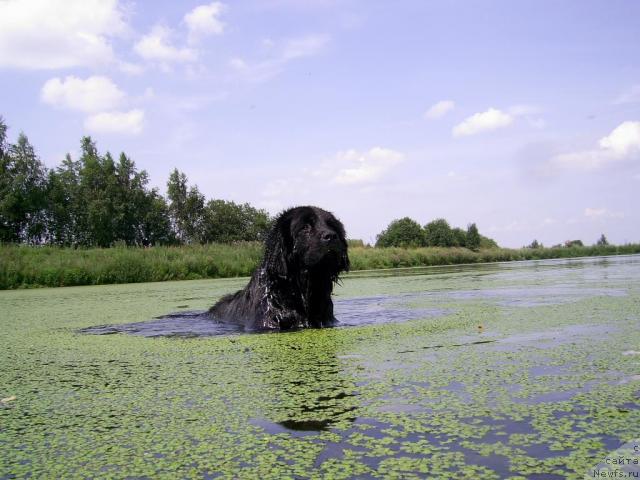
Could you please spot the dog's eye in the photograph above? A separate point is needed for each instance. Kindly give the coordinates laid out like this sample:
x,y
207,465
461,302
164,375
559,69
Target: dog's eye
x,y
302,229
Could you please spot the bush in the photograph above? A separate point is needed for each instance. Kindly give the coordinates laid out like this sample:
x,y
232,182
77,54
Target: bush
x,y
404,232
438,233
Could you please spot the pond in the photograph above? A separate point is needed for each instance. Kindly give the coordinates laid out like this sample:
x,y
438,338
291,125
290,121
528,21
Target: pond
x,y
513,370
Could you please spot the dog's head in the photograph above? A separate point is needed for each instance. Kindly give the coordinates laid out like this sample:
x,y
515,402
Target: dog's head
x,y
306,238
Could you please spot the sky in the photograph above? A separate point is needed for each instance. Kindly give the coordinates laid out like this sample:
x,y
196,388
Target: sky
x,y
523,117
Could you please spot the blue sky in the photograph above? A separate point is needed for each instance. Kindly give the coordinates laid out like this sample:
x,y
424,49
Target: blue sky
x,y
523,117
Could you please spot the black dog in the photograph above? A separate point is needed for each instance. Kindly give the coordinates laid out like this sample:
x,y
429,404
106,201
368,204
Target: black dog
x,y
305,251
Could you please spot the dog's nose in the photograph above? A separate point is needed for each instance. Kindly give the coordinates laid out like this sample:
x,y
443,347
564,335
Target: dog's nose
x,y
328,236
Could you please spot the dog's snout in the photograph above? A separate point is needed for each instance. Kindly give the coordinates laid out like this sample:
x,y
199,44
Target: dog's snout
x,y
329,236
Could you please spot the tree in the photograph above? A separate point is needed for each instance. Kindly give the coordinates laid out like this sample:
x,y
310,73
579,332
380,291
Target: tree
x,y
473,237
602,241
98,194
534,244
227,222
155,221
459,237
573,243
64,207
403,232
438,233
3,139
6,231
23,180
97,201
486,242
186,207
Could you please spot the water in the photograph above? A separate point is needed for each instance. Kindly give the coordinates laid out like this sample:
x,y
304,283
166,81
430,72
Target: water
x,y
525,369
352,313
360,311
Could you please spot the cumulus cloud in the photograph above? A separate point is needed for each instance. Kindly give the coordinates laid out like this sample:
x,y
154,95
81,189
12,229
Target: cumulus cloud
x,y
481,122
204,20
349,168
439,109
352,167
52,34
99,97
129,123
156,46
281,54
93,94
624,140
622,144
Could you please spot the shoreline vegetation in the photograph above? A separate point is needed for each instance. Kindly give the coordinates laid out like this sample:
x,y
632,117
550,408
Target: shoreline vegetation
x,y
95,220
24,266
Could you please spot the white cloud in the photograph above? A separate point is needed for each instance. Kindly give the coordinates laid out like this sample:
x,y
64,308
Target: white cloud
x,y
624,139
492,119
94,94
622,144
282,54
156,46
53,34
128,123
630,96
349,168
529,113
597,213
439,109
355,167
204,20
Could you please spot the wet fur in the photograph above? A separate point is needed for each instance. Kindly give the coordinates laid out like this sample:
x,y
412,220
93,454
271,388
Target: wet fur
x,y
292,286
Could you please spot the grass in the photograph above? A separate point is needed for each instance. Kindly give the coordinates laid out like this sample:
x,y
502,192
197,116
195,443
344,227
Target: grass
x,y
26,267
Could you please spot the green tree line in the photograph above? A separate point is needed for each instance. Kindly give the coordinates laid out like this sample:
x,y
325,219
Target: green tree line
x,y
406,232
97,200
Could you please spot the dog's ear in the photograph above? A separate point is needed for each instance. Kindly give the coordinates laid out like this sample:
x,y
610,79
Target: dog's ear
x,y
344,258
278,248
345,264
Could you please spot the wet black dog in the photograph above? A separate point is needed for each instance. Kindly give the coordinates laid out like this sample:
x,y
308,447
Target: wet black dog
x,y
305,252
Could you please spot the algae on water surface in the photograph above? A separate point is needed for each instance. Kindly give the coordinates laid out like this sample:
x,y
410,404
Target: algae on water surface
x,y
528,371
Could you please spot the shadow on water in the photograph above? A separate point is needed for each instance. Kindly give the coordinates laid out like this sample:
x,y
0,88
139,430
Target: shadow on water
x,y
390,309
356,312
310,390
351,313
181,324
